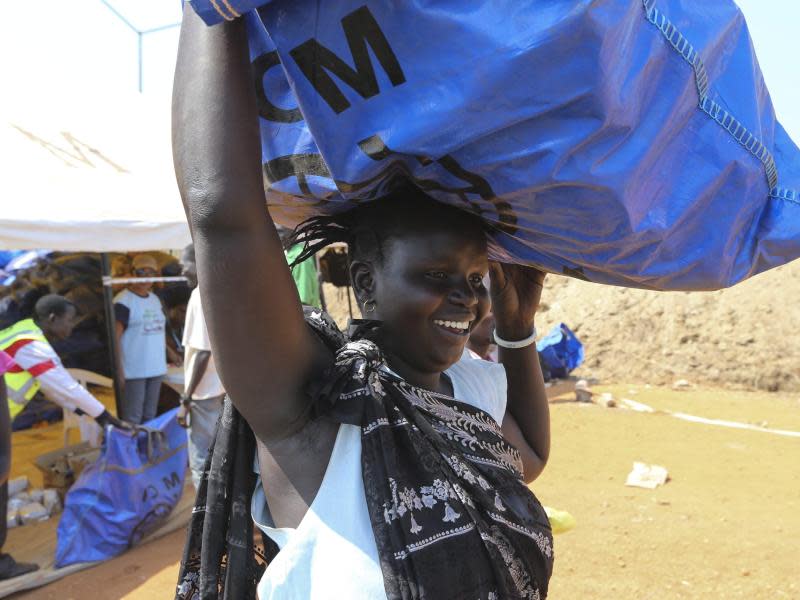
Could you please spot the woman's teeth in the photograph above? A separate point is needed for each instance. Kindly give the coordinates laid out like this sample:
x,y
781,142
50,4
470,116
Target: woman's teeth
x,y
463,325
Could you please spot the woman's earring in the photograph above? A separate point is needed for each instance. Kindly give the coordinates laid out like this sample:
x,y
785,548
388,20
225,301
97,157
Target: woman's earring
x,y
369,306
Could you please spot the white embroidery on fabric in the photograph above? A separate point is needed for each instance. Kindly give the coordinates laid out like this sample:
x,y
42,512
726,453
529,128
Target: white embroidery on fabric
x,y
408,500
383,422
541,540
433,539
516,570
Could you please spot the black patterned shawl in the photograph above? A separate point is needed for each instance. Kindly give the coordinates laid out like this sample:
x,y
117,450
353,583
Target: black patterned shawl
x,y
451,515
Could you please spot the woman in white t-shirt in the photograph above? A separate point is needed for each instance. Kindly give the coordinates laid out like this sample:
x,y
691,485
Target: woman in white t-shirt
x,y
141,338
382,468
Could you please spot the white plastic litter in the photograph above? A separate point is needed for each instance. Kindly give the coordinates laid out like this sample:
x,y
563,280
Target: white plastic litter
x,y
23,497
647,476
637,406
12,519
36,495
582,391
16,503
33,511
17,485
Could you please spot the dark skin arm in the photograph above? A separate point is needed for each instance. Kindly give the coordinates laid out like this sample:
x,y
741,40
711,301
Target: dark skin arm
x,y
198,369
252,308
516,292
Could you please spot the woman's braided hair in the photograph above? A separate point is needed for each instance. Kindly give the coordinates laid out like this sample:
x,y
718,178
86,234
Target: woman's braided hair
x,y
366,228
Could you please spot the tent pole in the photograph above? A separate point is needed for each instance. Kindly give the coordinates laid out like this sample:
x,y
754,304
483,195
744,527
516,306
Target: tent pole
x,y
111,336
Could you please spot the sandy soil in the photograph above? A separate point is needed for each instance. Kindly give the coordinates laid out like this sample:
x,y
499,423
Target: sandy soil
x,y
726,526
744,337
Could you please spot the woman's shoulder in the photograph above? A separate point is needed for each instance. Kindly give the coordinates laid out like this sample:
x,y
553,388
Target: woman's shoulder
x,y
480,383
471,363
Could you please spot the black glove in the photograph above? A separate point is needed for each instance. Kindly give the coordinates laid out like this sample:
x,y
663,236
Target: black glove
x,y
106,418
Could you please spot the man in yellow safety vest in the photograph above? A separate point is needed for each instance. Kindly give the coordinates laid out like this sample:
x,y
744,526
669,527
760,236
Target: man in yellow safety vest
x,y
37,366
31,365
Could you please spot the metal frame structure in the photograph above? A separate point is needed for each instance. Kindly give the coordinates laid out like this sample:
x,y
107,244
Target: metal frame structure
x,y
140,33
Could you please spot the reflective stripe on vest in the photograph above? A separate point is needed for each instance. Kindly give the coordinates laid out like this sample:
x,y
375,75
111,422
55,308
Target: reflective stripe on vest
x,y
22,384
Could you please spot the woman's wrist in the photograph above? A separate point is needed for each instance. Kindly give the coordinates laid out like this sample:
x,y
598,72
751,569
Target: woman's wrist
x,y
517,343
514,331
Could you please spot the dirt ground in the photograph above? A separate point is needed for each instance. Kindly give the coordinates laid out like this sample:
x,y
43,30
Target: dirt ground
x,y
726,525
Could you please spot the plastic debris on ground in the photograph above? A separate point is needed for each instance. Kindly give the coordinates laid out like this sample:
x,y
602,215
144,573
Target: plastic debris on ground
x,y
582,391
30,505
647,476
560,520
17,485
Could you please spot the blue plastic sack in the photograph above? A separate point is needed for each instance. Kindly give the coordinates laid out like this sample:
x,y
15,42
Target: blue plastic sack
x,y
126,494
561,351
630,142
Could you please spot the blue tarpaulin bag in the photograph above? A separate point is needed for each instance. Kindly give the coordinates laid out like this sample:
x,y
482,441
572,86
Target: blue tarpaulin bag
x,y
561,351
630,142
126,494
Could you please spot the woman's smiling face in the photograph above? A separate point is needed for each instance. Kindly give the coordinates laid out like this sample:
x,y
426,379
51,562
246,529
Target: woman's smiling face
x,y
429,294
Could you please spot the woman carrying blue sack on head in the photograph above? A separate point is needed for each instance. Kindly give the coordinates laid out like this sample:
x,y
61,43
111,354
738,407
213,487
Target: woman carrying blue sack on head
x,y
388,464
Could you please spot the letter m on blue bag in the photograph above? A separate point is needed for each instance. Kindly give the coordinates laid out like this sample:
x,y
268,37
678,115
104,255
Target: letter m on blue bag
x,y
317,62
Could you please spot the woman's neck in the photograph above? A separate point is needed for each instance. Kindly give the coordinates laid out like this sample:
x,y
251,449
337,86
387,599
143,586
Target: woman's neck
x,y
435,382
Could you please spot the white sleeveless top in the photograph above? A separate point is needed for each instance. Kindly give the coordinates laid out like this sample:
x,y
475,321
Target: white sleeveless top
x,y
332,553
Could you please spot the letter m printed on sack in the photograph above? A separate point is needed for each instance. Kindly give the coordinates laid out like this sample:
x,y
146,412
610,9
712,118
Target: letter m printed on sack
x,y
318,63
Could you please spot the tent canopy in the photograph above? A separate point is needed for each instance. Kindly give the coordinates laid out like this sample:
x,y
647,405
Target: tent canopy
x,y
90,173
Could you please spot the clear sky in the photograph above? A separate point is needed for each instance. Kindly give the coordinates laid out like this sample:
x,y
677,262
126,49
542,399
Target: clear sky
x,y
68,46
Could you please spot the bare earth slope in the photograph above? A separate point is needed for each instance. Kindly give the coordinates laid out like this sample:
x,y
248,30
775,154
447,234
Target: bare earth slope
x,y
744,337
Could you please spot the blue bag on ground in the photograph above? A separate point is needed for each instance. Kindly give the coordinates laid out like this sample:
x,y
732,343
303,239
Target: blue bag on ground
x,y
560,351
630,142
126,494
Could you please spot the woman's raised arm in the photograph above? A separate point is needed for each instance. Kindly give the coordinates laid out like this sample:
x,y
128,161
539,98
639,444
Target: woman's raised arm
x,y
261,345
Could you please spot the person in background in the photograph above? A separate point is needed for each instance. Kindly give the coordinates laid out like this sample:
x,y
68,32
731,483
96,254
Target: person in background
x,y
37,366
142,348
481,340
28,364
201,401
175,299
8,566
304,273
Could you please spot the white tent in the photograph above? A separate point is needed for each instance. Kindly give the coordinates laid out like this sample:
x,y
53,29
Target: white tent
x,y
87,173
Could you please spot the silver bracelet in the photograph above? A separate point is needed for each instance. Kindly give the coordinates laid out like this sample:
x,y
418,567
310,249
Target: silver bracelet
x,y
524,343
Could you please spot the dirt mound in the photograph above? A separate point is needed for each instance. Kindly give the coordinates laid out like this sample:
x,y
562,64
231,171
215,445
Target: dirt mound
x,y
744,337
